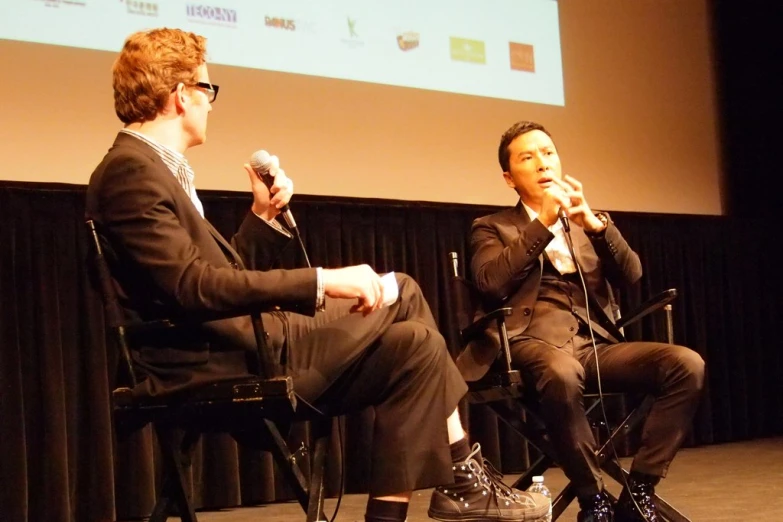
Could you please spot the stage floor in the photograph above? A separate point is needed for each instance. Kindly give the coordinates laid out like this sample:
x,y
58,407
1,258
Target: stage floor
x,y
719,483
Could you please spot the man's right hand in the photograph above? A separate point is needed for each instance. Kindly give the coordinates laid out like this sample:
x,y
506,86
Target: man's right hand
x,y
553,199
355,282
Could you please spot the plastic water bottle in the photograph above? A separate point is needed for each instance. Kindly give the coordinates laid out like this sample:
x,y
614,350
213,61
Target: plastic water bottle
x,y
539,487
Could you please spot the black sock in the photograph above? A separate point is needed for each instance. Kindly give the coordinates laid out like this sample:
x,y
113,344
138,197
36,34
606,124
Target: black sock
x,y
460,450
385,511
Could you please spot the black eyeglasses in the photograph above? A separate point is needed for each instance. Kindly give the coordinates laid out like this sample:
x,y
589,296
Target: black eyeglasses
x,y
210,88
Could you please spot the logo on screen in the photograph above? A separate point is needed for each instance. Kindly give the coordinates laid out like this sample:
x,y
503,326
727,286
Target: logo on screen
x,y
58,3
352,28
280,23
522,57
408,40
207,14
465,50
142,8
353,40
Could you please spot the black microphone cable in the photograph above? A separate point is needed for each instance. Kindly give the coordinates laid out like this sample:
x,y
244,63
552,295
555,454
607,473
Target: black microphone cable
x,y
260,163
570,244
295,231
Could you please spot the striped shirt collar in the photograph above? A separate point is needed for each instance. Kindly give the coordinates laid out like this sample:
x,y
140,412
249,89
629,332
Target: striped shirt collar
x,y
177,164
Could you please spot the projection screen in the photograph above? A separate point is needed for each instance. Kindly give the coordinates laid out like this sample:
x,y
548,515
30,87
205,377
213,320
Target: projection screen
x,y
402,100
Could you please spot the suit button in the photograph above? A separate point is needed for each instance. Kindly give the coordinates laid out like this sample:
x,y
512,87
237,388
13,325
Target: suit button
x,y
526,311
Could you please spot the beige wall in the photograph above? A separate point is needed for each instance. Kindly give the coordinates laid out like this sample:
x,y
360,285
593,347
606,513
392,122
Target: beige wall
x,y
639,127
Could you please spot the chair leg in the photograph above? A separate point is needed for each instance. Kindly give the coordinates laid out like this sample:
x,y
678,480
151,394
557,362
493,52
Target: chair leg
x,y
289,467
173,490
612,467
631,421
160,513
315,507
541,464
667,511
562,500
511,412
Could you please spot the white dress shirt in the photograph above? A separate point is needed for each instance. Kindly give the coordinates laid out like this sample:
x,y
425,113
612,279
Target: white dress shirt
x,y
557,249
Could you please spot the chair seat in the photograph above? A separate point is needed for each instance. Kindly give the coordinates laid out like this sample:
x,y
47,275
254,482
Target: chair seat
x,y
215,406
495,386
246,389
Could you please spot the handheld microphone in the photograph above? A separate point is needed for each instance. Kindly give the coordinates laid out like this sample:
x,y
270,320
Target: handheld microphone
x,y
262,162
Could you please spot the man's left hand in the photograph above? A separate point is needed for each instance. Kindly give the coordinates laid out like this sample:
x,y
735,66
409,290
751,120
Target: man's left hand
x,y
579,212
267,202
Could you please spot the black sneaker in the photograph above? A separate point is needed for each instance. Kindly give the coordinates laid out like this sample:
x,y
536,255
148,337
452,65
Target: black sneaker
x,y
637,502
596,508
478,494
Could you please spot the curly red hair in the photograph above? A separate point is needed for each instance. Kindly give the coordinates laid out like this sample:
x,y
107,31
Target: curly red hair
x,y
149,66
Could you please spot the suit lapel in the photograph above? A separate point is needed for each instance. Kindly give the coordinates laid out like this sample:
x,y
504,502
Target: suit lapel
x,y
519,218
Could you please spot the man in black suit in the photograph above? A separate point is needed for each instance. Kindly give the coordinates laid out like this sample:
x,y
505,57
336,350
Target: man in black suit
x,y
520,259
329,330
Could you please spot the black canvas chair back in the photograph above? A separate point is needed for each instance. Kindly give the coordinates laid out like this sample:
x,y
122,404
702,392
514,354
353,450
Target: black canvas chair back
x,y
259,404
502,389
466,301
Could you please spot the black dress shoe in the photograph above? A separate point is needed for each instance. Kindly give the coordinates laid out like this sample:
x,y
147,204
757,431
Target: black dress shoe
x,y
596,508
637,501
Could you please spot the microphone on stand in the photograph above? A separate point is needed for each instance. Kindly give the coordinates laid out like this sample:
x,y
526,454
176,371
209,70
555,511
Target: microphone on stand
x,y
262,163
564,220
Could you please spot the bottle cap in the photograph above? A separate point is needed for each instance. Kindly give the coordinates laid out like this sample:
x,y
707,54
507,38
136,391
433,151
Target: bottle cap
x,y
538,478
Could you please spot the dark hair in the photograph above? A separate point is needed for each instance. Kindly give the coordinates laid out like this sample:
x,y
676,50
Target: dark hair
x,y
518,129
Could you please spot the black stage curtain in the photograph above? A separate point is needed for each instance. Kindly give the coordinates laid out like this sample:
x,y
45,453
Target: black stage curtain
x,y
60,462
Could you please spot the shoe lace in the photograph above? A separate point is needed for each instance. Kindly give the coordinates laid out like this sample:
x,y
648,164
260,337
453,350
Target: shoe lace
x,y
491,479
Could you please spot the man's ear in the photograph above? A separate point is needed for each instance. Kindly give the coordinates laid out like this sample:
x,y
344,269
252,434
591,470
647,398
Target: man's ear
x,y
180,96
509,180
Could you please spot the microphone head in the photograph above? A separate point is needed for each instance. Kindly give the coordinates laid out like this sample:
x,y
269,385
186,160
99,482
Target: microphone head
x,y
262,162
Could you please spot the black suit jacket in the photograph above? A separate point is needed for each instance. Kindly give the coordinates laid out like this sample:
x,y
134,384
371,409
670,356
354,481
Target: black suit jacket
x,y
168,261
507,261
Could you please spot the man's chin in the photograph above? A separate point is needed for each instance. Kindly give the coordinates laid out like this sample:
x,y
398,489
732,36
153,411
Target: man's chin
x,y
198,141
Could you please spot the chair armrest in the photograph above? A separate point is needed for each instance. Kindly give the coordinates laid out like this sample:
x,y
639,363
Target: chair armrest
x,y
264,366
197,318
477,327
651,305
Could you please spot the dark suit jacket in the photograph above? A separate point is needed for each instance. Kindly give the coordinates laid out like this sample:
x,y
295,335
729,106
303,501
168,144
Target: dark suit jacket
x,y
507,261
168,261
